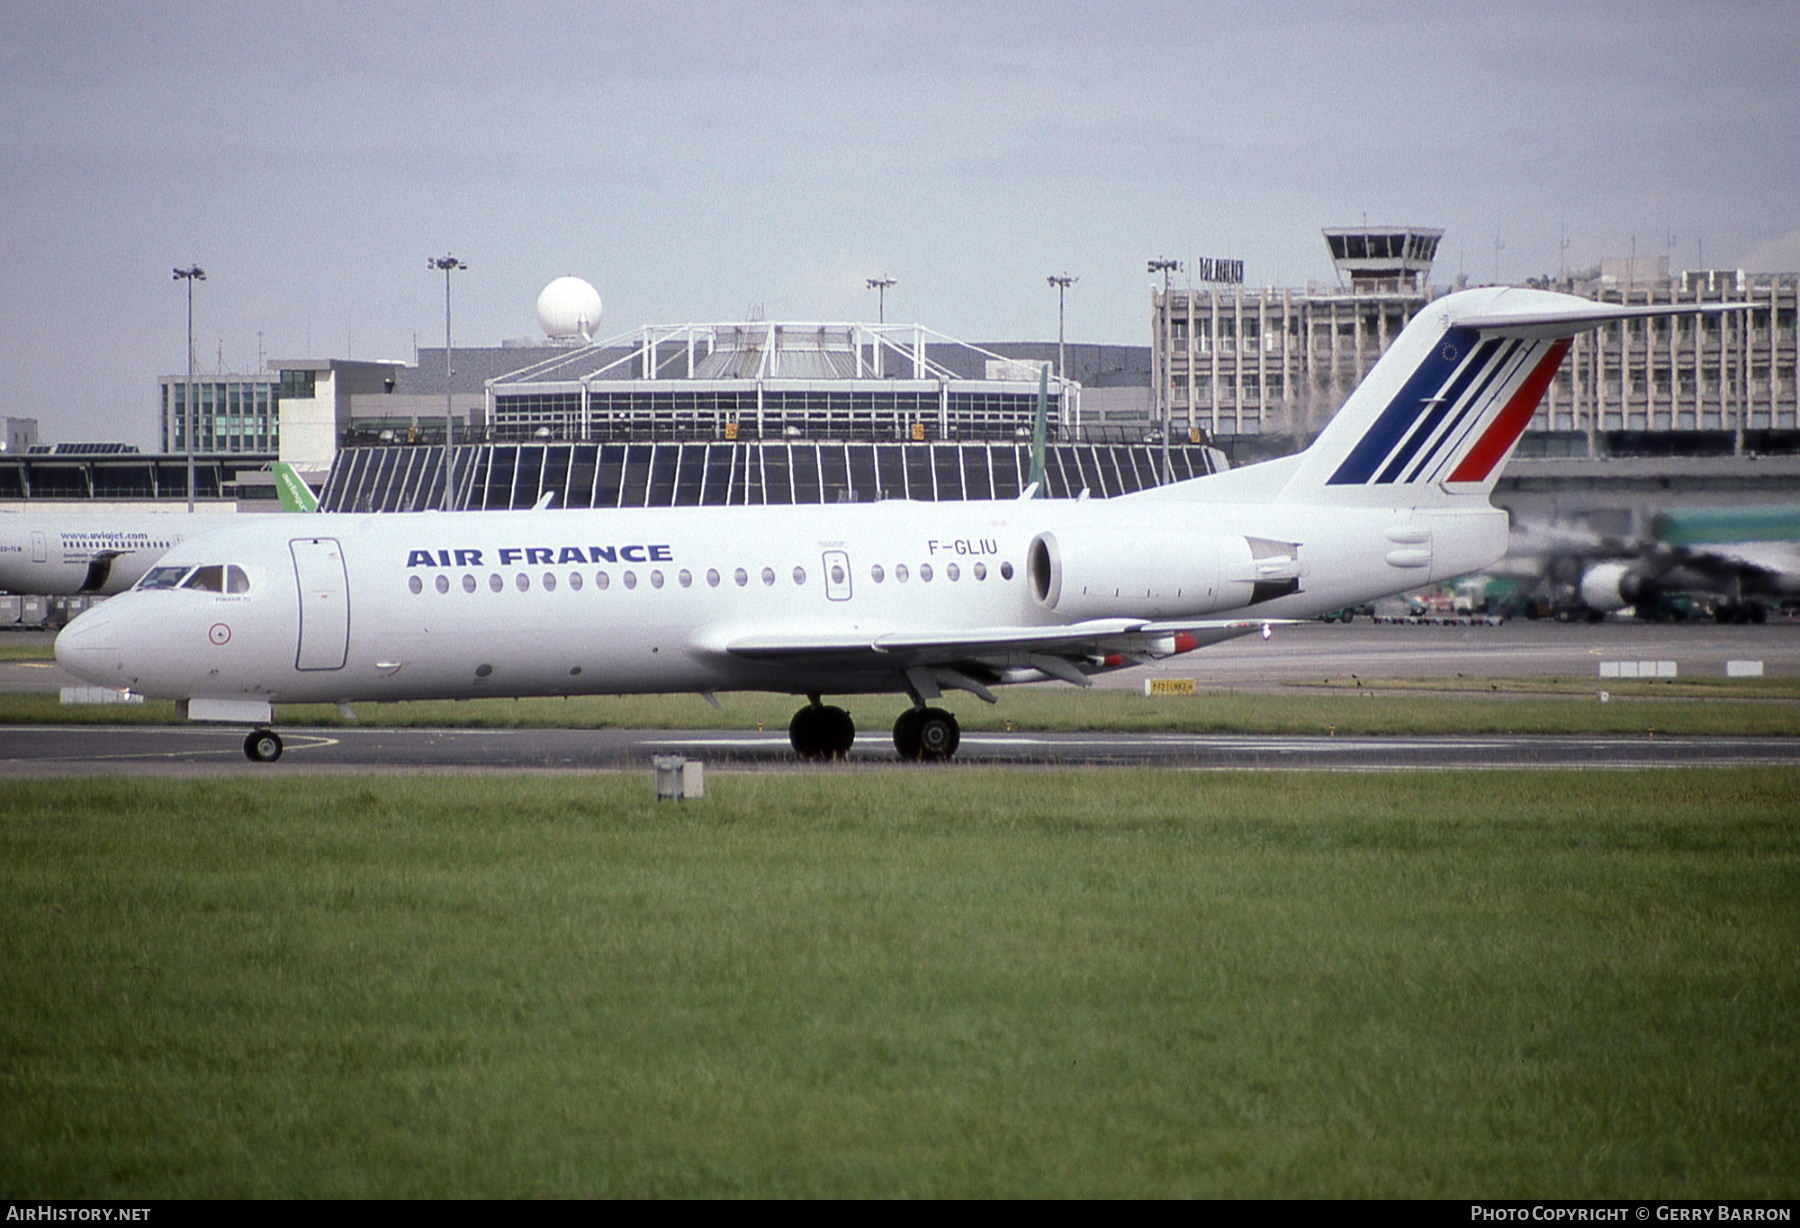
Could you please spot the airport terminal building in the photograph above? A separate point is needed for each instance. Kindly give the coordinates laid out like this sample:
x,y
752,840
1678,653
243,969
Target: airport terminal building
x,y
753,412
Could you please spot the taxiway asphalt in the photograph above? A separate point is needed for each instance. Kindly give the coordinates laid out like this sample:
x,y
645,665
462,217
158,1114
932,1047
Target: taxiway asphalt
x,y
1291,654
185,750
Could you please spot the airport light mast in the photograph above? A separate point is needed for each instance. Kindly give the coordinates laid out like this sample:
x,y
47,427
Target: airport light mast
x,y
880,286
1061,285
190,275
449,264
1166,404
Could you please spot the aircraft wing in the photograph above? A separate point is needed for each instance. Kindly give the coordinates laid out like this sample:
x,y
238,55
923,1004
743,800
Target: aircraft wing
x,y
941,646
973,658
1771,568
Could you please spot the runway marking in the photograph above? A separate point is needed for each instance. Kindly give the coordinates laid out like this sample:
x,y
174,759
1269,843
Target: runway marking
x,y
400,748
293,742
1238,741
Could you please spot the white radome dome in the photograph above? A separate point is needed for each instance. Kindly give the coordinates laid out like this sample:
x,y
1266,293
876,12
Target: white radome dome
x,y
569,308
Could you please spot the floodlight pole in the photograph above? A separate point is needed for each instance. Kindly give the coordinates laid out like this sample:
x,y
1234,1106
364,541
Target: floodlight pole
x,y
449,264
1165,267
1061,285
880,286
190,275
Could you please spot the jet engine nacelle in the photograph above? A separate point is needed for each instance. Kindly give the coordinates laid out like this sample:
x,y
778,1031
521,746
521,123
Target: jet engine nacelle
x,y
1155,573
1606,587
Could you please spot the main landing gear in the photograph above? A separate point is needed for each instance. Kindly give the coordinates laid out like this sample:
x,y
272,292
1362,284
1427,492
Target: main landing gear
x,y
262,746
926,734
819,731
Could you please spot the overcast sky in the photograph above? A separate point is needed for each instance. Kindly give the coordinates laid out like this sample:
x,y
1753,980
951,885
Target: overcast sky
x,y
706,161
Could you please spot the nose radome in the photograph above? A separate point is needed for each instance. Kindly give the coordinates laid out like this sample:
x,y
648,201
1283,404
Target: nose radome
x,y
88,647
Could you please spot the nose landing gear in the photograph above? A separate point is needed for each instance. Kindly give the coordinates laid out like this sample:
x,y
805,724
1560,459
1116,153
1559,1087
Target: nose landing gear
x,y
262,746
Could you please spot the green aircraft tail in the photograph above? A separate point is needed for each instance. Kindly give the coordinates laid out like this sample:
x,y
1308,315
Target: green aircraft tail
x,y
296,495
1040,428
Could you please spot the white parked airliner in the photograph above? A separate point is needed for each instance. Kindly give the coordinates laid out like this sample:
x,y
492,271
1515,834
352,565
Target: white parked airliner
x,y
98,553
901,597
68,553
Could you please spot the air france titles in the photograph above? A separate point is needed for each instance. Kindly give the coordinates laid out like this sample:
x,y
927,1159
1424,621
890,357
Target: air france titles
x,y
535,556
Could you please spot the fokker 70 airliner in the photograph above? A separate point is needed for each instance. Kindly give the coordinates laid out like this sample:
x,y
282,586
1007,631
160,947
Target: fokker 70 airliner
x,y
895,597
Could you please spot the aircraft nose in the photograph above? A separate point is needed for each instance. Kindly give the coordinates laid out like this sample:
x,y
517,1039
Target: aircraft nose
x,y
89,648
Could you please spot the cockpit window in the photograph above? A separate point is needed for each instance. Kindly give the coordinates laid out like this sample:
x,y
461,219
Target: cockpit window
x,y
163,577
210,579
207,578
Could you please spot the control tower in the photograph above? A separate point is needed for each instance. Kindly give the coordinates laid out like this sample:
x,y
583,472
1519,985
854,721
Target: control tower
x,y
1383,258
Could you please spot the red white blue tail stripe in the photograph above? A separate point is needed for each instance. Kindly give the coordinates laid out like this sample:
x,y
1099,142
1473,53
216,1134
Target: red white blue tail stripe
x,y
1459,413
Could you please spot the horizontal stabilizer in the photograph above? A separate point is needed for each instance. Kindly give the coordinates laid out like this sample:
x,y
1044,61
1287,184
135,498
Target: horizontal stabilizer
x,y
1577,316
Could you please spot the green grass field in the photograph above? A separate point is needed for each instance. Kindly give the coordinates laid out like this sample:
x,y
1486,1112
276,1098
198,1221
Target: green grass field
x,y
968,983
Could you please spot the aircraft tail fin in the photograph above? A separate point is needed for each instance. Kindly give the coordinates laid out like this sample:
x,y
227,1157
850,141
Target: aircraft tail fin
x,y
1040,429
296,495
1438,415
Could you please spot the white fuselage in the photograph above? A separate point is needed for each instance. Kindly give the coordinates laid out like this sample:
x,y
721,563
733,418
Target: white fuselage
x,y
377,607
